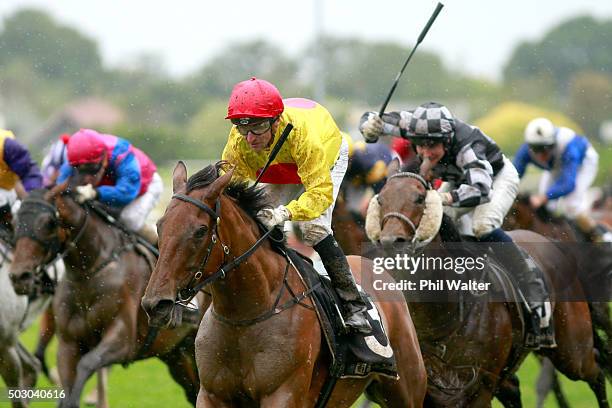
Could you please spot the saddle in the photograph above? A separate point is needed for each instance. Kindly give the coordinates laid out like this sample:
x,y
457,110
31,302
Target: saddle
x,y
353,355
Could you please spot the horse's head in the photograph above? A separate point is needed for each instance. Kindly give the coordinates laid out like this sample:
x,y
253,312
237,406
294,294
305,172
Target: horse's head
x,y
190,247
39,234
405,211
520,215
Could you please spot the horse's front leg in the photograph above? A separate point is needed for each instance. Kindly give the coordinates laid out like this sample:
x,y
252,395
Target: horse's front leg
x,y
114,347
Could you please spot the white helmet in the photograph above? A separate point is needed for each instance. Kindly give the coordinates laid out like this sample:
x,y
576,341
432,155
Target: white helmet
x,y
540,131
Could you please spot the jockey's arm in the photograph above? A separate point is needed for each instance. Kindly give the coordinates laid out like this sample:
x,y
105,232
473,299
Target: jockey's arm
x,y
18,159
478,173
522,159
566,182
316,178
127,184
392,122
65,171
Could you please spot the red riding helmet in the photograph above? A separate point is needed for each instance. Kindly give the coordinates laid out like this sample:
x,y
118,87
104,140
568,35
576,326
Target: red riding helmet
x,y
254,98
85,146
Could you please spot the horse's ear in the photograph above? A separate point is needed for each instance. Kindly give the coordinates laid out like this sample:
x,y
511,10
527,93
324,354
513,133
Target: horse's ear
x,y
59,188
179,177
217,187
393,167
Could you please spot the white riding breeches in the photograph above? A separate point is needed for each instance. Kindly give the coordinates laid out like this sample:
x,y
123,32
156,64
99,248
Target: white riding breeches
x,y
313,231
135,213
484,218
576,202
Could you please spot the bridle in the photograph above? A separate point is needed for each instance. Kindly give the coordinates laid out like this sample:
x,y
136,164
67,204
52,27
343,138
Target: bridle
x,y
185,295
54,249
193,287
398,215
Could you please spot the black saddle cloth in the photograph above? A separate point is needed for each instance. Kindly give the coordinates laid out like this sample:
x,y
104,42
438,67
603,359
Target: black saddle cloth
x,y
353,354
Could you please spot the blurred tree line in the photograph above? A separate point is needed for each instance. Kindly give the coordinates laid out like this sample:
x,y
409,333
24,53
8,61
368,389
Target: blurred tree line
x,y
45,65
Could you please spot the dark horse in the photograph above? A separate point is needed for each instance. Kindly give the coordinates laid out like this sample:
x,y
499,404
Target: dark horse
x,y
597,259
471,345
97,306
258,345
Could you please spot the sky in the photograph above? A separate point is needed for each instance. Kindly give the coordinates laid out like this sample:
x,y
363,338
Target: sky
x,y
475,36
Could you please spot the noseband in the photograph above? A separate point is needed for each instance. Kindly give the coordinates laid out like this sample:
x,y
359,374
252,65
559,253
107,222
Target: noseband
x,y
398,215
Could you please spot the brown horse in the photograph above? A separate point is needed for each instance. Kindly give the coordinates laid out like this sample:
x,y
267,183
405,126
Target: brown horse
x,y
97,306
595,260
592,258
250,352
471,345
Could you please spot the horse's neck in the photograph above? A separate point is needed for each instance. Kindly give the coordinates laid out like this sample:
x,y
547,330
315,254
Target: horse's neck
x,y
88,247
249,290
433,318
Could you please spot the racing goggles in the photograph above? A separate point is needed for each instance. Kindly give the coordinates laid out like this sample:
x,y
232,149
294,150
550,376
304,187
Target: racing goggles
x,y
425,141
90,169
540,148
244,126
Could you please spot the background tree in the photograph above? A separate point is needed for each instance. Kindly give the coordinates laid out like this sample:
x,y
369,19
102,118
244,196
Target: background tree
x,y
581,43
590,100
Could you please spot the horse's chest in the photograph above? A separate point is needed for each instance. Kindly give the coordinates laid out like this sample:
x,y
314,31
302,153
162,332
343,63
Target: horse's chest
x,y
251,364
84,316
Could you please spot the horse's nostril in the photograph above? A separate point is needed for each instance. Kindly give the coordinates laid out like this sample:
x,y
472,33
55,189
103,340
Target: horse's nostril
x,y
400,239
22,277
155,307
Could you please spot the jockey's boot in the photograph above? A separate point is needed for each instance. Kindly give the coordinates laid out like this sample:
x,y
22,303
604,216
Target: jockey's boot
x,y
355,308
540,331
149,232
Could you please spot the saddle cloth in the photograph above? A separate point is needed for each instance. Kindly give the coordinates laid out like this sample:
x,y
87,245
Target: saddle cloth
x,y
354,354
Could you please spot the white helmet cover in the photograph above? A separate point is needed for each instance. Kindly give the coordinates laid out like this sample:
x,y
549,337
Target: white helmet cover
x,y
540,132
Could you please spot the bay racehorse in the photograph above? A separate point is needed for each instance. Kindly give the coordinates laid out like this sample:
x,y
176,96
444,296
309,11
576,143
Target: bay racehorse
x,y
97,306
252,348
472,345
596,259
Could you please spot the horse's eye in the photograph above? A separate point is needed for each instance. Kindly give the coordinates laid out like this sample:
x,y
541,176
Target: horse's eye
x,y
420,199
200,232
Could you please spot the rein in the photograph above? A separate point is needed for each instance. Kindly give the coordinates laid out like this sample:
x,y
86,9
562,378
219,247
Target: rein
x,y
25,230
28,231
186,295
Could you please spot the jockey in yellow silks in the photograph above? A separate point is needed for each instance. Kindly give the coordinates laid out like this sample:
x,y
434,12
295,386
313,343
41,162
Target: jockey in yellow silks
x,y
310,166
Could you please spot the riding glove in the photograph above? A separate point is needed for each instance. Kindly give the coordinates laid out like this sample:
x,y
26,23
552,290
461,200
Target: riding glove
x,y
85,193
271,217
372,128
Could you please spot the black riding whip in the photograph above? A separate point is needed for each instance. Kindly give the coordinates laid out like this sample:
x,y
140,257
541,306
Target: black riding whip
x,y
421,37
275,150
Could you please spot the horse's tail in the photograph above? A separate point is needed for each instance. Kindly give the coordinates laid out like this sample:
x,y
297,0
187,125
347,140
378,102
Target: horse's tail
x,y
602,335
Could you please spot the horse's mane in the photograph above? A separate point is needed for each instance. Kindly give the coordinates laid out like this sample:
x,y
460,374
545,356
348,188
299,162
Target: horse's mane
x,y
251,199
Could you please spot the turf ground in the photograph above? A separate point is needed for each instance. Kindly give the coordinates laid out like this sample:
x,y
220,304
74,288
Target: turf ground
x,y
148,384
